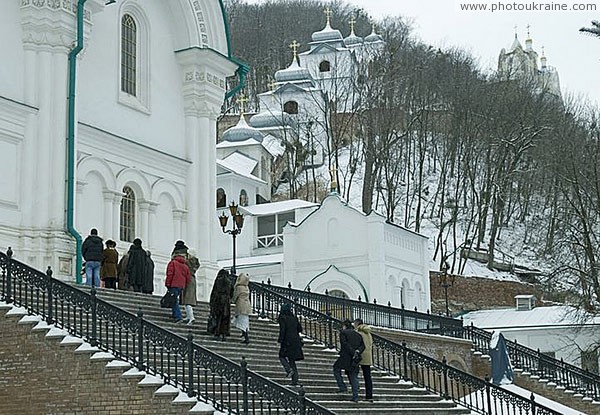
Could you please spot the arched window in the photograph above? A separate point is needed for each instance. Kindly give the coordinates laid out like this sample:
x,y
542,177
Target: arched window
x,y
324,66
243,198
129,55
221,198
127,226
290,107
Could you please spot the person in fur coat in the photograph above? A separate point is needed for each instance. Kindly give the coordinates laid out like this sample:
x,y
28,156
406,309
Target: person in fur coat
x,y
220,304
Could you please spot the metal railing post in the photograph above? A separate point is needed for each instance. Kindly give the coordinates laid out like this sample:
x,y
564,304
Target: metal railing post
x,y
140,335
50,315
404,361
9,297
445,363
190,353
302,400
94,310
244,379
532,404
330,329
488,395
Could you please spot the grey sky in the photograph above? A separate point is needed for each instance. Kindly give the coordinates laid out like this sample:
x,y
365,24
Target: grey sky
x,y
442,23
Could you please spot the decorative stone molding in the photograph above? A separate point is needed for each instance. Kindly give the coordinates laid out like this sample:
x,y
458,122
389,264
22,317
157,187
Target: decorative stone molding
x,y
52,24
199,16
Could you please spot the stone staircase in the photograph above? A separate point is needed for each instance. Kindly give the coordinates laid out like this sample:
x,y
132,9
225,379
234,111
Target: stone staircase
x,y
392,396
46,370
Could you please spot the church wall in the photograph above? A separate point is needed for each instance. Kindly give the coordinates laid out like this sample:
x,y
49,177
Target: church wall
x,y
12,69
161,123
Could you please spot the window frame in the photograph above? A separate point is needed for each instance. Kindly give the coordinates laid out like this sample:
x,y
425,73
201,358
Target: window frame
x,y
127,213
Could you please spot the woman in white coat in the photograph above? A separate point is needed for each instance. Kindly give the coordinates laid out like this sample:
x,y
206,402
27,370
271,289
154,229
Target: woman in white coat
x,y
243,308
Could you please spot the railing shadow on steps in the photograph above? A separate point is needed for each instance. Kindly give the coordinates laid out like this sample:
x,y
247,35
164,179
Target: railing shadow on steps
x,y
524,358
216,380
480,396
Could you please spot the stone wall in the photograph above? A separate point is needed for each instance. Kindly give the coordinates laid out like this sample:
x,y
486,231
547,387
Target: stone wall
x,y
476,293
41,376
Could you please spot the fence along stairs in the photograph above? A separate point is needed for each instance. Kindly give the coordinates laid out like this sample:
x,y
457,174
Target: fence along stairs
x,y
549,372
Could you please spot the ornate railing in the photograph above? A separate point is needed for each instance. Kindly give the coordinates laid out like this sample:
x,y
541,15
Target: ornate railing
x,y
373,314
480,396
179,361
562,374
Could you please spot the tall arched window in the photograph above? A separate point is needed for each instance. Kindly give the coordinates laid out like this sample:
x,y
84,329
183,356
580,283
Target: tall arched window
x,y
243,198
221,198
127,226
128,55
291,107
324,66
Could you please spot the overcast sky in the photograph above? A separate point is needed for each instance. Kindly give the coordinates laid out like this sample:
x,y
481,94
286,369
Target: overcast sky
x,y
483,33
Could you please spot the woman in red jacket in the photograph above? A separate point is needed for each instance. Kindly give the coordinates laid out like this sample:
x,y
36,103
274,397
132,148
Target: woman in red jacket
x,y
178,276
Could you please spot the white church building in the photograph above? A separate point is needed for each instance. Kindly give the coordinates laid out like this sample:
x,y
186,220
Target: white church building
x,y
150,82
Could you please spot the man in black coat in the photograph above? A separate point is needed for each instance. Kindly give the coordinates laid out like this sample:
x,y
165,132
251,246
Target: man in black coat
x,y
351,346
290,349
92,250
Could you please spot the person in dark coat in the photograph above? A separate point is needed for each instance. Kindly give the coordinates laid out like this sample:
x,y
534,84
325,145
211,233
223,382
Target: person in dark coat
x,y
122,279
148,287
351,343
178,276
110,259
220,304
290,349
91,250
136,266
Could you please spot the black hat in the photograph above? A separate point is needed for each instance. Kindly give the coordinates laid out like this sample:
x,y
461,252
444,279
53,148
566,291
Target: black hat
x,y
180,248
137,241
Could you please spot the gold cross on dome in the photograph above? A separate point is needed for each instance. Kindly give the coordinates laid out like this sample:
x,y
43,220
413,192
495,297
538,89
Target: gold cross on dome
x,y
272,84
352,23
241,101
328,14
515,27
294,46
528,26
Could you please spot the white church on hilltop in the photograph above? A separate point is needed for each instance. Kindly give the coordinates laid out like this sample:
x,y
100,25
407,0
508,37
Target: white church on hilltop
x,y
150,82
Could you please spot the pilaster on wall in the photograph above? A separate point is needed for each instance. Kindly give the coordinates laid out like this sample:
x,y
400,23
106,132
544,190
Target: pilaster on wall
x,y
203,74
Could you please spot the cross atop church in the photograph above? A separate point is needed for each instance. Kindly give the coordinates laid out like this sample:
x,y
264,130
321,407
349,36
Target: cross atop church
x,y
528,26
543,52
373,27
242,99
272,84
328,14
294,46
352,23
515,27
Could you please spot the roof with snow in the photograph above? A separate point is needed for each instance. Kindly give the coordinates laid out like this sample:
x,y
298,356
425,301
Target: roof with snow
x,y
327,34
510,318
294,73
241,165
277,207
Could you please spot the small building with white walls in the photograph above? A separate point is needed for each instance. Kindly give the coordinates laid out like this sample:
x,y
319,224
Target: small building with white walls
x,y
561,332
332,247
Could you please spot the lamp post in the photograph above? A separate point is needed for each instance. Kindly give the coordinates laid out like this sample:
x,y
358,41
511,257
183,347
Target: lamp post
x,y
236,227
446,281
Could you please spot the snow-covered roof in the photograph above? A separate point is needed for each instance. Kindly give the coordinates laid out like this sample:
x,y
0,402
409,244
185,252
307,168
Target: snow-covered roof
x,y
240,164
242,132
253,260
277,207
273,145
537,317
294,72
248,142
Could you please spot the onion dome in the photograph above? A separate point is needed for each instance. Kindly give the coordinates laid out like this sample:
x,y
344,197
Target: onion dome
x,y
270,119
352,39
373,37
327,35
292,73
241,132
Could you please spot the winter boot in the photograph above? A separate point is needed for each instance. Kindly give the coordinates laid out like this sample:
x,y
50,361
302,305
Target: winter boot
x,y
246,339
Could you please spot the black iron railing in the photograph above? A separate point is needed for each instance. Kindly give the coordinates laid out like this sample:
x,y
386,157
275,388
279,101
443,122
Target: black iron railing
x,y
373,314
478,395
528,360
563,374
179,361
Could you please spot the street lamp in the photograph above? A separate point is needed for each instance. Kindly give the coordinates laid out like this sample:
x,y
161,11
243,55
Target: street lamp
x,y
236,227
446,281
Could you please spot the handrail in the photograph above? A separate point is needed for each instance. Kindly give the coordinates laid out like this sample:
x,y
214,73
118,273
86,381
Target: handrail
x,y
563,374
374,314
524,358
464,389
179,361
